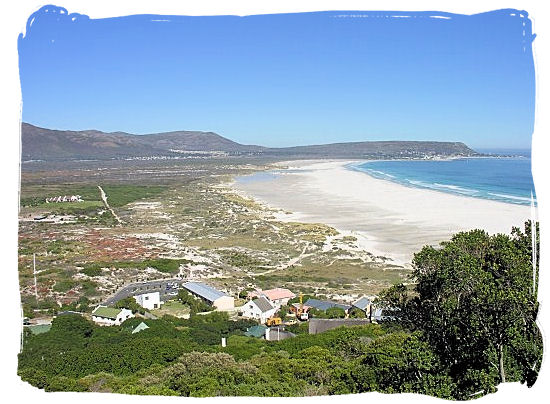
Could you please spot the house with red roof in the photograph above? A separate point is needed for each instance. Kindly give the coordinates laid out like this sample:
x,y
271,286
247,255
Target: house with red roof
x,y
278,296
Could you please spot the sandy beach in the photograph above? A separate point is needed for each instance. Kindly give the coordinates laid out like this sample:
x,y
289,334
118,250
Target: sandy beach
x,y
388,219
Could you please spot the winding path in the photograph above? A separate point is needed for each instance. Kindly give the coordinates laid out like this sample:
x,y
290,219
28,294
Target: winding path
x,y
104,199
291,262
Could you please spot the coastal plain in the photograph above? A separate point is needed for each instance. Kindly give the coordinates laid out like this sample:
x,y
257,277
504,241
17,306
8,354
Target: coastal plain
x,y
177,218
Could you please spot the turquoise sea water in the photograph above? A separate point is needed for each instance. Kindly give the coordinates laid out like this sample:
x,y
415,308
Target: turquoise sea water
x,y
503,179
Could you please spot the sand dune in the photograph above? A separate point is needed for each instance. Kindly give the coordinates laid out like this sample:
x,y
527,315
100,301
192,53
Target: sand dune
x,y
391,219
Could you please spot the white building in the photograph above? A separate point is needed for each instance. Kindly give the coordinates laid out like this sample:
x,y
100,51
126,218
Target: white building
x,y
149,301
104,315
213,297
259,309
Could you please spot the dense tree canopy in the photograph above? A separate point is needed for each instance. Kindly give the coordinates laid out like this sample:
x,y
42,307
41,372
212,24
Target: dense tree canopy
x,y
475,302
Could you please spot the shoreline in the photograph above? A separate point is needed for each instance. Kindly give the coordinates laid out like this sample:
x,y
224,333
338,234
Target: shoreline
x,y
504,198
388,219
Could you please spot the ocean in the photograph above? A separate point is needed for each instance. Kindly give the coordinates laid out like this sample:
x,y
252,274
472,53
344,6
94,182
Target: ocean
x,y
505,179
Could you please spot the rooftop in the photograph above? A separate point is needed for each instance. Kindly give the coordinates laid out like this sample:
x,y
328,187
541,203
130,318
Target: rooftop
x,y
263,304
140,327
256,331
204,291
319,325
326,304
362,303
106,312
273,294
304,306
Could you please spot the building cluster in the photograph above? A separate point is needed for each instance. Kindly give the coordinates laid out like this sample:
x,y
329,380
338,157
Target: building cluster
x,y
150,299
365,304
264,304
64,198
261,305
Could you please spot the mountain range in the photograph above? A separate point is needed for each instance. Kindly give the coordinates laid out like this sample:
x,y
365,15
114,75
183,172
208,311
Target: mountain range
x,y
50,144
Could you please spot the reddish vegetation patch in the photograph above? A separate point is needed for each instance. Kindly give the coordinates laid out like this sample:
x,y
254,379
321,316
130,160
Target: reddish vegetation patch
x,y
69,297
118,248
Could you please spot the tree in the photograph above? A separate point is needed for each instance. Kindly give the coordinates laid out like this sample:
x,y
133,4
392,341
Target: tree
x,y
476,305
71,325
195,304
336,312
283,312
357,313
243,294
131,304
399,363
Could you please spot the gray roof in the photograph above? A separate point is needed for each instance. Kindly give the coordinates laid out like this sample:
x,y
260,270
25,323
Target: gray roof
x,y
319,325
362,303
202,290
263,304
377,314
325,304
382,314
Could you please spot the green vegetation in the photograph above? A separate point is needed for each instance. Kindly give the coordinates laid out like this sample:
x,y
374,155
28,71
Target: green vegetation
x,y
32,306
184,357
117,195
120,195
92,270
91,208
64,285
357,313
242,260
81,305
35,195
475,304
131,304
166,265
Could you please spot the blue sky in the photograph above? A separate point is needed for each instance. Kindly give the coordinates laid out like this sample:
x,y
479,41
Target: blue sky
x,y
288,79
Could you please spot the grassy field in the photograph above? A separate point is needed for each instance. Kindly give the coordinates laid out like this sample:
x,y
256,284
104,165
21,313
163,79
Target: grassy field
x,y
118,195
172,308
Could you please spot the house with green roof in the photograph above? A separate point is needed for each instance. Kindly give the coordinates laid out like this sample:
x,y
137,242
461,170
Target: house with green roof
x,y
104,315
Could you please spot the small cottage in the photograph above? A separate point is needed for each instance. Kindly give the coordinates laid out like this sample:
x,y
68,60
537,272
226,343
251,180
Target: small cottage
x,y
104,315
259,309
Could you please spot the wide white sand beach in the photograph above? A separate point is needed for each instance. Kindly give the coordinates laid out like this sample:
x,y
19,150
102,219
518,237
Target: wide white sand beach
x,y
389,219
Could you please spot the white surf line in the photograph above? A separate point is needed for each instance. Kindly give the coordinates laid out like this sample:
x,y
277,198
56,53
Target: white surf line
x,y
104,199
